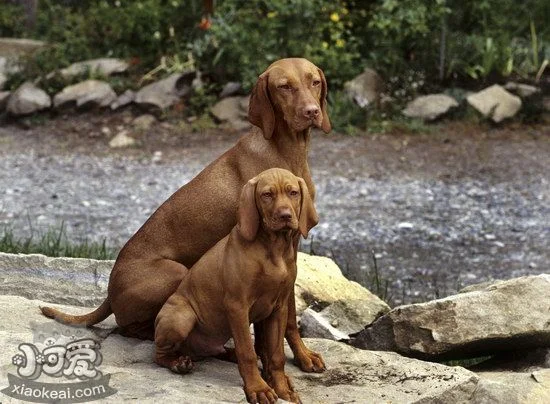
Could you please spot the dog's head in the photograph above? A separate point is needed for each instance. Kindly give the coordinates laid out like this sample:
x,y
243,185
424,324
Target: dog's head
x,y
277,201
294,90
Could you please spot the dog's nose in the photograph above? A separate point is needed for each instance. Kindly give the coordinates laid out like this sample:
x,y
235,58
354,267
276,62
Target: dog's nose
x,y
284,214
311,111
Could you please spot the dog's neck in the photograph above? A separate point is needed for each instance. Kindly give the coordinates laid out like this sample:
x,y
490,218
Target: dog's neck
x,y
278,244
292,145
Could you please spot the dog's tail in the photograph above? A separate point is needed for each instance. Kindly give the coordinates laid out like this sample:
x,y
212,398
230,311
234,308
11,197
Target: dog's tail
x,y
99,314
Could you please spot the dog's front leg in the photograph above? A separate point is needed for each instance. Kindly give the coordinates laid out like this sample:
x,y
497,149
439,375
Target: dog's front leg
x,y
305,359
255,388
273,354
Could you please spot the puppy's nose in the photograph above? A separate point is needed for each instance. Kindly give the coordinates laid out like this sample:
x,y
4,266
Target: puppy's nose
x,y
284,214
311,111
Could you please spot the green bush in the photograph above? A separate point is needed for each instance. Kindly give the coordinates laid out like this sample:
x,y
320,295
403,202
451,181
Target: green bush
x,y
247,36
466,43
11,21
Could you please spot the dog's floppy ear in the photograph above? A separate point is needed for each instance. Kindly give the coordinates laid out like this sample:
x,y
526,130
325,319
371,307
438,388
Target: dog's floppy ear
x,y
248,218
260,108
308,215
325,125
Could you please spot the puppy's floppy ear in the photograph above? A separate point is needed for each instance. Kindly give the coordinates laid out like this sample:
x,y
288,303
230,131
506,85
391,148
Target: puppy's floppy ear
x,y
308,215
260,108
325,125
248,218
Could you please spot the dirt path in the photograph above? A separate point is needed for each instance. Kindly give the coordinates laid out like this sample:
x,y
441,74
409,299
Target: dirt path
x,y
456,206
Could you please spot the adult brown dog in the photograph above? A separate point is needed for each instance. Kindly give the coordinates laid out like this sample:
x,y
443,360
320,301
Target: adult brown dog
x,y
247,277
288,99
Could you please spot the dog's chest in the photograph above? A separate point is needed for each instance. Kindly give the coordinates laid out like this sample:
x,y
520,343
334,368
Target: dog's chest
x,y
273,284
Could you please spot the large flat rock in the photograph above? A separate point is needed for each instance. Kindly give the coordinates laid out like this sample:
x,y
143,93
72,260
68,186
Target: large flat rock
x,y
86,93
353,375
503,316
76,281
83,282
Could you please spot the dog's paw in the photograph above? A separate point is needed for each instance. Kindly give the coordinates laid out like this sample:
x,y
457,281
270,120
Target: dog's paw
x,y
181,365
286,391
260,393
309,361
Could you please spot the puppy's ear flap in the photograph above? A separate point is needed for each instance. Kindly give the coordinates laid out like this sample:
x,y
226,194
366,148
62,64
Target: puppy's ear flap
x,y
325,125
308,215
248,218
260,108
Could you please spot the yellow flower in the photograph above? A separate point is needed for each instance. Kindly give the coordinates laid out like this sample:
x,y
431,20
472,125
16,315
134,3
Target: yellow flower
x,y
340,43
334,17
272,14
325,45
345,11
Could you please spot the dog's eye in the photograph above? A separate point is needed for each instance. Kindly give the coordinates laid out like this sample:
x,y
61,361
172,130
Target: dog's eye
x,y
285,87
268,195
316,83
294,193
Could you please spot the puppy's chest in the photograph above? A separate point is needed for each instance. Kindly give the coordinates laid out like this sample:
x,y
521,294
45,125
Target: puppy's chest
x,y
272,285
276,271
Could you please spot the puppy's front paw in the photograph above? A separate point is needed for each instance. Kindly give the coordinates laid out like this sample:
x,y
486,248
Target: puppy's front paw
x,y
285,390
309,361
260,393
182,365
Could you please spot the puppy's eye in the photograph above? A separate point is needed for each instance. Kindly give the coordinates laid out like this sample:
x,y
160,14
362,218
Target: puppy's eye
x,y
267,195
285,87
316,83
294,193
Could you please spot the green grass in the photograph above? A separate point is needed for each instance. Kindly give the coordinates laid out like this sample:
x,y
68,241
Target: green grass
x,y
467,363
54,243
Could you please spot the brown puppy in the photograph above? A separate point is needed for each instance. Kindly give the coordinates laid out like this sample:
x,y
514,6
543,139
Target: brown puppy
x,y
247,277
289,98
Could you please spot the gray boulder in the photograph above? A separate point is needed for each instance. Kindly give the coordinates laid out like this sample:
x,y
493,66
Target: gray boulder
x,y
503,316
86,94
509,387
496,103
353,375
320,282
76,281
523,90
430,107
124,99
315,325
232,111
365,89
28,99
230,88
164,93
104,67
342,318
